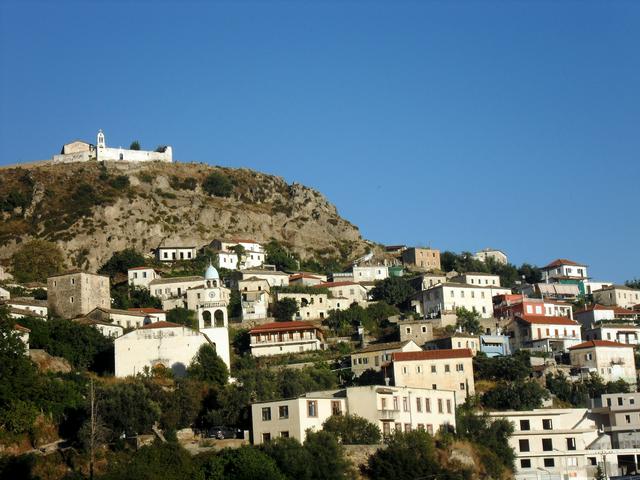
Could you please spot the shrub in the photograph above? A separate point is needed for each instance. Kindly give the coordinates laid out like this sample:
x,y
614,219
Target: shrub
x,y
135,145
217,185
36,260
352,430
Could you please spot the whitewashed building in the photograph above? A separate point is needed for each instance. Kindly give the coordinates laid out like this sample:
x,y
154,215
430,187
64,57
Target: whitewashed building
x,y
30,306
447,297
478,278
611,360
542,333
109,330
617,295
392,409
278,338
377,356
174,254
497,255
370,273
142,276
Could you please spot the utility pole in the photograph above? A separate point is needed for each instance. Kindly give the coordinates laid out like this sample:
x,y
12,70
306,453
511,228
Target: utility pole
x,y
92,438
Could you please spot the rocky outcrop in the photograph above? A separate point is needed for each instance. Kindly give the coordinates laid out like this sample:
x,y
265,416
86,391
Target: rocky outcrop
x,y
90,210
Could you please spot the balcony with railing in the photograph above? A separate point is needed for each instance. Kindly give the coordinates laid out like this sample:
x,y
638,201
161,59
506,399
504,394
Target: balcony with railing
x,y
387,414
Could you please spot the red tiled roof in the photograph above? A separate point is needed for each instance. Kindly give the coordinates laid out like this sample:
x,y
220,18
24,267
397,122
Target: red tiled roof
x,y
296,276
146,310
335,284
599,343
563,261
536,319
279,326
21,328
161,325
433,354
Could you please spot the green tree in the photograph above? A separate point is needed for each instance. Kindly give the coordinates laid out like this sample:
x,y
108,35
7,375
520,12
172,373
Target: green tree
x,y
240,251
344,322
207,366
36,260
127,408
279,256
330,462
531,273
121,261
511,368
234,309
135,145
217,185
284,309
518,395
468,320
352,430
394,291
244,463
168,461
292,459
182,316
408,456
635,283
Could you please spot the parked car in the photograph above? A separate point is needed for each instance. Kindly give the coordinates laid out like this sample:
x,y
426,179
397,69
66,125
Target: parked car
x,y
222,433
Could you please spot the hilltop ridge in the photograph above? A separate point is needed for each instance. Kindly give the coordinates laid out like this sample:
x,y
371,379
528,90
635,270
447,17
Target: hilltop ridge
x,y
93,209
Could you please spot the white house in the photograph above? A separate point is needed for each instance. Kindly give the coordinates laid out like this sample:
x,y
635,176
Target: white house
x,y
349,291
255,304
617,295
273,277
80,151
447,297
547,334
478,278
392,409
564,269
306,279
4,294
497,255
285,337
597,313
142,276
110,330
123,318
30,306
611,360
370,273
174,254
173,288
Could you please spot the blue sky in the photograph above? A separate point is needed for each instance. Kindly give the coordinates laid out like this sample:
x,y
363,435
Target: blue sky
x,y
455,124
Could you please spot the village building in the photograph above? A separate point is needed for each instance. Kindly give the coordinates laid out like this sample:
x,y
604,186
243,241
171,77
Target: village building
x,y
306,279
627,333
618,296
248,245
428,280
436,369
278,338
4,294
377,356
312,306
350,292
76,293
419,331
597,313
497,256
553,291
30,306
109,330
253,254
174,254
173,289
369,273
477,278
255,304
495,345
456,341
508,306
142,276
124,318
617,416
81,151
391,409
273,277
424,259
23,334
611,360
542,333
447,297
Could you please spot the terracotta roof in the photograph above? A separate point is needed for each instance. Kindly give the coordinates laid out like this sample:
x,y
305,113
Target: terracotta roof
x,y
146,310
296,276
161,325
563,261
280,326
537,320
433,354
335,284
21,328
599,343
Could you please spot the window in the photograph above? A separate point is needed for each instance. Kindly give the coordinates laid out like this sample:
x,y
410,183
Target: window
x,y
395,403
429,429
440,406
283,411
424,329
434,386
407,427
572,461
397,427
336,407
549,462
418,369
433,369
266,414
547,424
525,463
627,418
448,406
405,404
427,405
284,434
418,404
462,387
620,401
312,408
524,445
383,403
524,425
459,367
547,444
408,330
447,369
571,443
70,299
404,370
266,437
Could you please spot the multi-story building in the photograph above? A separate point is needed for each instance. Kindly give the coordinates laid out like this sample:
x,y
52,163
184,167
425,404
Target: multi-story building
x,y
76,293
285,337
418,330
311,306
30,306
306,279
377,356
447,297
124,318
425,259
597,313
611,360
628,333
456,341
351,292
477,278
141,276
495,345
370,273
617,295
273,277
255,304
617,415
562,269
436,369
508,306
547,334
392,409
173,288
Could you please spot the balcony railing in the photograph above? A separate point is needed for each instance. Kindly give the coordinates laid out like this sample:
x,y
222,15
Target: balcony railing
x,y
387,414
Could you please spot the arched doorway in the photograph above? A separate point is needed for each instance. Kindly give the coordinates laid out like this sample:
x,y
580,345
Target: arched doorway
x,y
219,318
206,317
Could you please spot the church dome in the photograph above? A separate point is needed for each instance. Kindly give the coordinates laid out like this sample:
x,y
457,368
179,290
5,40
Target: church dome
x,y
211,273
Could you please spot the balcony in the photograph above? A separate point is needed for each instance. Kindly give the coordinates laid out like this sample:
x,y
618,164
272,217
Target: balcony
x,y
387,414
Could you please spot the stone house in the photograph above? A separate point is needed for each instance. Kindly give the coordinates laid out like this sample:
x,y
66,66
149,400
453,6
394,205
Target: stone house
x,y
425,259
618,296
76,293
420,331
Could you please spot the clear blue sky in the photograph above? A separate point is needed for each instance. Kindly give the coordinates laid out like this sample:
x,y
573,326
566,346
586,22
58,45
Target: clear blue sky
x,y
461,125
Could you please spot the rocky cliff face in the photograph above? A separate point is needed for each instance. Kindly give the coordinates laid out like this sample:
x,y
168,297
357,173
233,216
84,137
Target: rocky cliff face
x,y
91,210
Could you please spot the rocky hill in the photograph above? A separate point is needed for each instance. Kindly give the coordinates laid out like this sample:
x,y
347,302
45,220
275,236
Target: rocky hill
x,y
91,210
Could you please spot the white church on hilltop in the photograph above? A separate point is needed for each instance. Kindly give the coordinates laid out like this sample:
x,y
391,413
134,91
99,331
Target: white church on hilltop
x,y
80,151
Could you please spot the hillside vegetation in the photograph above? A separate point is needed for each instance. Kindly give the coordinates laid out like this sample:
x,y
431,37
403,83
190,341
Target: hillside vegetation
x,y
93,209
